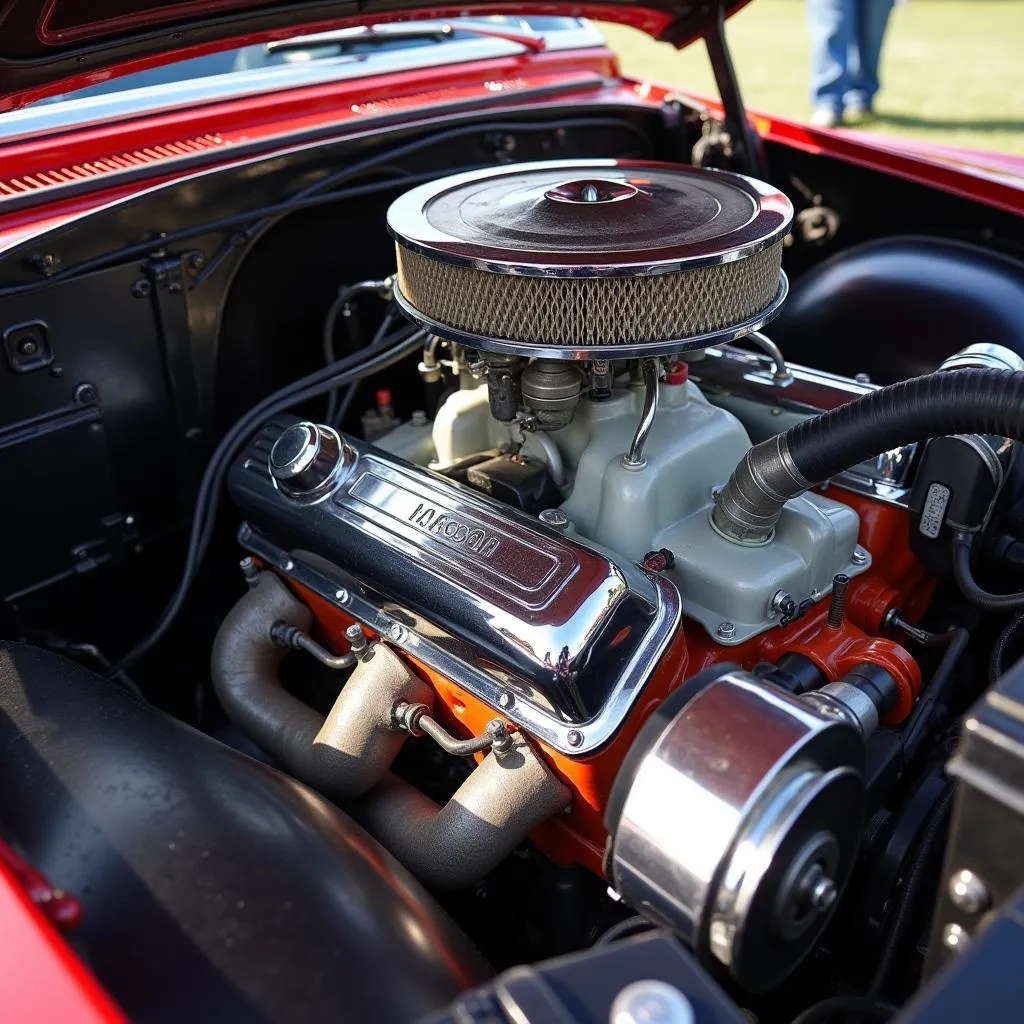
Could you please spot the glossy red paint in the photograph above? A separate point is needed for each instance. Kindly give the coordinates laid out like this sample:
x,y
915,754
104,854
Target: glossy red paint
x,y
59,907
256,123
41,979
24,84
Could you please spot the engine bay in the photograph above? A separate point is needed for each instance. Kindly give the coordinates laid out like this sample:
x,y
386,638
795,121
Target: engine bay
x,y
599,612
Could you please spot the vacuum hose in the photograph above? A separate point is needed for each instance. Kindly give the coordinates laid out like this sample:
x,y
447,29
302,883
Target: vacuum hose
x,y
970,401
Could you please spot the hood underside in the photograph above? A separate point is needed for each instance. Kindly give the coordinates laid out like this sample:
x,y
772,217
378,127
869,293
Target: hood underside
x,y
44,43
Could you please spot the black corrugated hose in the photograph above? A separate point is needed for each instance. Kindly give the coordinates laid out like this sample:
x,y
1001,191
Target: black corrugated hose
x,y
952,402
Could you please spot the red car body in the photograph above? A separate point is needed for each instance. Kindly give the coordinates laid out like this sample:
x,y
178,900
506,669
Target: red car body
x,y
54,179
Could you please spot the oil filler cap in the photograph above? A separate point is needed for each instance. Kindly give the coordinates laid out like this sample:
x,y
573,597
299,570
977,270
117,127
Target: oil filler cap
x,y
308,460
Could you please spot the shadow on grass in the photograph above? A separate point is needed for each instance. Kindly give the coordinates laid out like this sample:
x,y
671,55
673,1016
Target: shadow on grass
x,y
951,124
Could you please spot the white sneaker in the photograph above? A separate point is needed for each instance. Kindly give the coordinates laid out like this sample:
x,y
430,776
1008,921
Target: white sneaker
x,y
825,117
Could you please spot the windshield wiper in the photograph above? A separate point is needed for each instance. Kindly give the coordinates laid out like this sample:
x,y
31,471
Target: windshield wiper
x,y
383,34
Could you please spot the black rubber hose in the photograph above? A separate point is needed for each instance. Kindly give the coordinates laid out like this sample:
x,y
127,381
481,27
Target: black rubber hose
x,y
358,365
344,297
934,694
951,402
1009,634
962,544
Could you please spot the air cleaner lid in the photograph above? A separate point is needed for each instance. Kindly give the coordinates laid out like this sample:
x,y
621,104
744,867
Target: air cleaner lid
x,y
589,218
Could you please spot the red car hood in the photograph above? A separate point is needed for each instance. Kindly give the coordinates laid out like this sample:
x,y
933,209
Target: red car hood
x,y
44,43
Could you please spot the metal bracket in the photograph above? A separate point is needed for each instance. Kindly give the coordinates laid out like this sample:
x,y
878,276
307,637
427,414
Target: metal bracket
x,y
166,276
745,138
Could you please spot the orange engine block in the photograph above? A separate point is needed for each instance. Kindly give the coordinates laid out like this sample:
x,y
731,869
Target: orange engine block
x,y
895,580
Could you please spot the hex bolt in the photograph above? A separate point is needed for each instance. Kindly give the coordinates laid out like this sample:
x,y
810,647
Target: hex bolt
x,y
85,394
554,518
342,596
357,641
397,632
501,738
28,347
250,571
574,737
651,1002
141,288
505,699
837,606
968,892
726,630
859,557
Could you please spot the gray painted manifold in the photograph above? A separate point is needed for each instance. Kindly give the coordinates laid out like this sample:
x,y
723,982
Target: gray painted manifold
x,y
691,450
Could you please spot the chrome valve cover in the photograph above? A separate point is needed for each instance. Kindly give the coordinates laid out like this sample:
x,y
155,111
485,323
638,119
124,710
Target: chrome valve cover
x,y
559,636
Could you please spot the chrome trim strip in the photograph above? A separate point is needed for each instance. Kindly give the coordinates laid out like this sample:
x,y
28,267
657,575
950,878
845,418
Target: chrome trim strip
x,y
584,352
751,374
460,663
772,216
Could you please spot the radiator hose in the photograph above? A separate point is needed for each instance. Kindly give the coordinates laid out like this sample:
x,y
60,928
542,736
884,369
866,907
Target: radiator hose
x,y
970,401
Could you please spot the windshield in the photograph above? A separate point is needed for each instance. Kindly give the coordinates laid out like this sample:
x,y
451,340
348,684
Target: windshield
x,y
302,61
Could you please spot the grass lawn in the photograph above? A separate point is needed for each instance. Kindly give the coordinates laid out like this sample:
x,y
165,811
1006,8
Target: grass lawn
x,y
952,70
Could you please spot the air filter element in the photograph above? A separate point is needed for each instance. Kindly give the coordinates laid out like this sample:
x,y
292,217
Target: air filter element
x,y
591,259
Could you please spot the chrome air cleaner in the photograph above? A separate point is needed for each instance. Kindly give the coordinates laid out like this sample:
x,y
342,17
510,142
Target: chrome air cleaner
x,y
591,259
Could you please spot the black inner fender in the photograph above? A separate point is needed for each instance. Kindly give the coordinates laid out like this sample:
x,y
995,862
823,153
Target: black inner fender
x,y
213,887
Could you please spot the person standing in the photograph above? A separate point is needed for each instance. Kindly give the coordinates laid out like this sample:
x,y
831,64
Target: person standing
x,y
846,46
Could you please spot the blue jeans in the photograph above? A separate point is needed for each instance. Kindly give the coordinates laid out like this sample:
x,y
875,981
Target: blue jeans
x,y
846,44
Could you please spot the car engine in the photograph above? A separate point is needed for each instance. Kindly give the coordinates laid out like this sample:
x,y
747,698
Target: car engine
x,y
637,632
568,573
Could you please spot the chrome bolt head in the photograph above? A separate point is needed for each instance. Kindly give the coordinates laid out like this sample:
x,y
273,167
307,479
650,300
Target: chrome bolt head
x,y
397,632
859,556
823,895
726,630
342,596
651,1002
250,571
968,892
574,737
554,518
506,700
955,938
